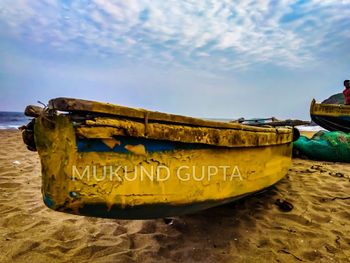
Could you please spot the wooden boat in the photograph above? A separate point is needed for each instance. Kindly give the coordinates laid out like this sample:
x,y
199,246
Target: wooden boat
x,y
332,117
170,165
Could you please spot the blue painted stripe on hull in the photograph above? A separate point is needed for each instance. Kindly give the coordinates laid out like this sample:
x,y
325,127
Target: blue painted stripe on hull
x,y
344,118
97,145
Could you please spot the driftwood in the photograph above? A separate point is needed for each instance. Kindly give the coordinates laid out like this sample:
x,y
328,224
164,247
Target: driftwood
x,y
33,111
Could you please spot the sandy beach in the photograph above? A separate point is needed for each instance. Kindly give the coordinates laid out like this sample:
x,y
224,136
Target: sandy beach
x,y
249,230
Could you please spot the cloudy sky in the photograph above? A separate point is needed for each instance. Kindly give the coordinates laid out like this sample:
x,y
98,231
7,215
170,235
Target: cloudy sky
x,y
225,58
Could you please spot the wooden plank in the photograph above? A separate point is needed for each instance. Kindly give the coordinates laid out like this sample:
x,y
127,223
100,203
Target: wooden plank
x,y
77,105
104,128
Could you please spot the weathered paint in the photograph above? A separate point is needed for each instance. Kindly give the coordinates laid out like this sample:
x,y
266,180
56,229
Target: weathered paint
x,y
103,127
148,211
332,110
94,108
57,145
333,117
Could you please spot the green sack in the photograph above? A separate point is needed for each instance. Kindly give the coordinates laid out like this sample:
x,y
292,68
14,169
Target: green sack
x,y
324,146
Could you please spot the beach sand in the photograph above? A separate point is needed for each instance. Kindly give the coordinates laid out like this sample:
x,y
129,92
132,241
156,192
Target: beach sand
x,y
308,134
249,230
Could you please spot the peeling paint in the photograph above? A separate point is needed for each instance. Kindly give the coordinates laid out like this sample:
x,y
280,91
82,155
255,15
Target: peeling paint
x,y
136,149
262,155
111,142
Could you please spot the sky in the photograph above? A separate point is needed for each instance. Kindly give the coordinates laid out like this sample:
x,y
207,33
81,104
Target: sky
x,y
211,59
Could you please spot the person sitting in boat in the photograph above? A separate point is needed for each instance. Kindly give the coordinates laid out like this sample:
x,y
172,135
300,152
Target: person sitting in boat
x,y
346,92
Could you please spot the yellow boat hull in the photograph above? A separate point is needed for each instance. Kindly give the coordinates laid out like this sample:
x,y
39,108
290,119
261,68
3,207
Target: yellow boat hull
x,y
148,178
332,117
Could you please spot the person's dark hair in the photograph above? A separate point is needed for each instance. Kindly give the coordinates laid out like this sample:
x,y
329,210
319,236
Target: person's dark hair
x,y
346,82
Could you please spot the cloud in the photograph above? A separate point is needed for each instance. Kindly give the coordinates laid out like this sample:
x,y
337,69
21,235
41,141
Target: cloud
x,y
220,34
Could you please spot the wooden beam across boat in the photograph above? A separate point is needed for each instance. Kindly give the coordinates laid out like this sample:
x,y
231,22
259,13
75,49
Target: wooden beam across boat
x,y
86,106
104,128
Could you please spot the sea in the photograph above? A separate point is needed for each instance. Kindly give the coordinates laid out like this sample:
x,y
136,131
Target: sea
x,y
12,120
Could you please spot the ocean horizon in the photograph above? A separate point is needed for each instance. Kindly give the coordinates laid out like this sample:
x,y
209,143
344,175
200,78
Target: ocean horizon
x,y
12,120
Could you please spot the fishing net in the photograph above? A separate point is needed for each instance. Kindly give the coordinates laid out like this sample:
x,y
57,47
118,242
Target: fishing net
x,y
324,146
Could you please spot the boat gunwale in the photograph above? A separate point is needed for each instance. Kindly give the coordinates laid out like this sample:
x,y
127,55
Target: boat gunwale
x,y
102,128
85,106
334,110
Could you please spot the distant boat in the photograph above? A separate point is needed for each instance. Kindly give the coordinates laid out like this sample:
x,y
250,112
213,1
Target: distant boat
x,y
111,161
332,117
